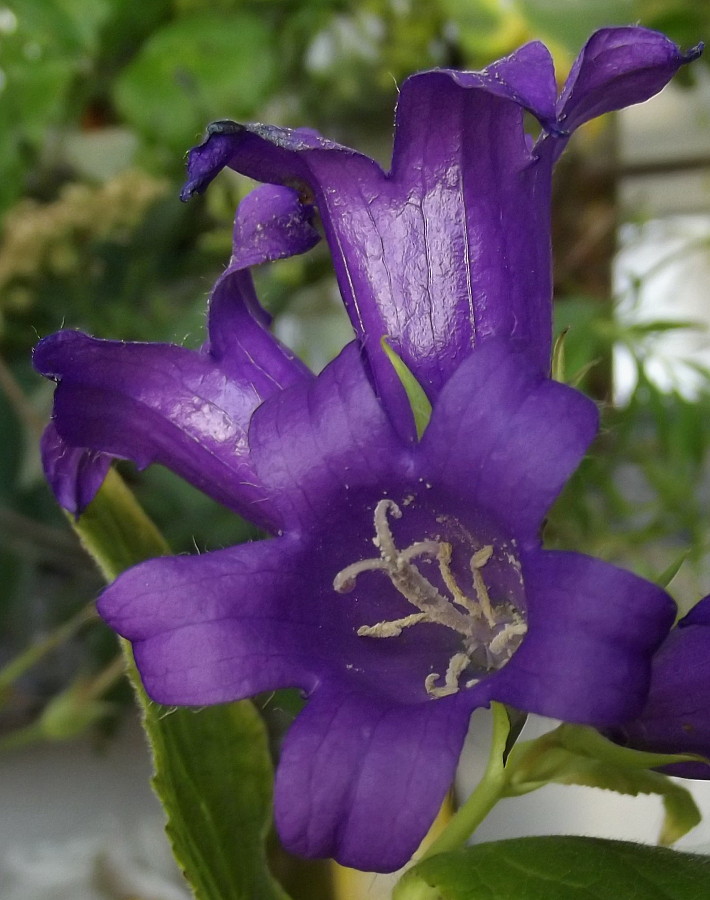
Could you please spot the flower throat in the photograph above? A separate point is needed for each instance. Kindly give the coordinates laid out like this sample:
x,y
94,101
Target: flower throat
x,y
491,633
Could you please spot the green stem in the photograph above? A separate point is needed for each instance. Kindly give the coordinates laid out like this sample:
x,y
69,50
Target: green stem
x,y
33,654
487,793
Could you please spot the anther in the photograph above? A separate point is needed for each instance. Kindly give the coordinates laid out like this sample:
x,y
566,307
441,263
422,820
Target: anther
x,y
478,561
457,665
385,541
490,635
390,629
344,581
444,559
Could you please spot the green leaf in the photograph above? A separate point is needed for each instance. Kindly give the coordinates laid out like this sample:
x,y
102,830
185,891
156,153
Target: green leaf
x,y
115,531
573,754
559,868
418,400
213,777
213,768
197,68
570,23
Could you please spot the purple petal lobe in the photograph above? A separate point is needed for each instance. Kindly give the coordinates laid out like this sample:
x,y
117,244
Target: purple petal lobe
x,y
582,660
241,147
271,223
218,627
698,615
157,403
74,474
361,779
313,442
239,340
616,68
511,436
676,717
454,244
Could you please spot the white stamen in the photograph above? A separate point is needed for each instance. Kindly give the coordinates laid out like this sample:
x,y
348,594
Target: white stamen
x,y
481,557
392,628
503,644
478,561
344,581
487,645
382,528
420,548
457,664
444,558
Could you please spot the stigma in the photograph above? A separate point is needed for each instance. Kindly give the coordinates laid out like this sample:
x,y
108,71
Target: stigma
x,y
490,631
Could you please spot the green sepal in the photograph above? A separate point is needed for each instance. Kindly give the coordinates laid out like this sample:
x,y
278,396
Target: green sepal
x,y
558,868
670,572
213,768
418,400
574,754
558,356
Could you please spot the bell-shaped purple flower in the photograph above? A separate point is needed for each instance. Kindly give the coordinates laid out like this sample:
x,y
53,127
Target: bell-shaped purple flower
x,y
676,716
452,245
404,583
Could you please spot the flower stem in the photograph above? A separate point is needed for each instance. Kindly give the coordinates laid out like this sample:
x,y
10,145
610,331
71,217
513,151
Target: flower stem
x,y
29,657
487,793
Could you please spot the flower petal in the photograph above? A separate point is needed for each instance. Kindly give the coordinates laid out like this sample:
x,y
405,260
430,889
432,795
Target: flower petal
x,y
271,223
676,717
202,401
74,474
157,403
311,443
421,254
592,630
617,68
217,627
240,342
361,779
511,436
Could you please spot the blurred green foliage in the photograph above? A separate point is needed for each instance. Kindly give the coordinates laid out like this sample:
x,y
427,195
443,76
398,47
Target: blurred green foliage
x,y
99,99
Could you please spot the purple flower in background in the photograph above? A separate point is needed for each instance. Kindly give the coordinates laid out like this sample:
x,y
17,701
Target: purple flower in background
x,y
452,245
676,716
405,583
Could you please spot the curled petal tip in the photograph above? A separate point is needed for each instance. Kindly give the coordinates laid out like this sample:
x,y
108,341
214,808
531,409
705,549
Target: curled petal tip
x,y
694,52
224,126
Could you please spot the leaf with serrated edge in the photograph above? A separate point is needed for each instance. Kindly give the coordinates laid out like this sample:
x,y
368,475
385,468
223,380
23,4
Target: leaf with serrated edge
x,y
213,769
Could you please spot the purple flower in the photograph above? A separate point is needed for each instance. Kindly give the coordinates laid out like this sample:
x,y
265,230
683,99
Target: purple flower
x,y
676,716
453,244
405,583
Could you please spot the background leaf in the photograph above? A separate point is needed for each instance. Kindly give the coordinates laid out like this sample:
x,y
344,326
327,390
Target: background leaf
x,y
559,868
572,22
195,69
